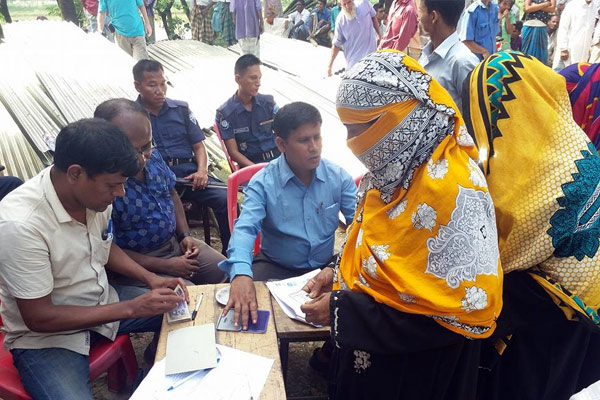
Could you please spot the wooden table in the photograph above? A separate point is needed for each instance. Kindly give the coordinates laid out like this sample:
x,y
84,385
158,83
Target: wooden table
x,y
289,330
261,344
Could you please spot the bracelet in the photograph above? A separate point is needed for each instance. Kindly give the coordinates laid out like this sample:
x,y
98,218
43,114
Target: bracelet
x,y
183,236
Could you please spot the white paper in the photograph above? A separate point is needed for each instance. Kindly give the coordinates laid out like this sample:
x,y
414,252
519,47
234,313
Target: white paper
x,y
191,349
237,376
290,296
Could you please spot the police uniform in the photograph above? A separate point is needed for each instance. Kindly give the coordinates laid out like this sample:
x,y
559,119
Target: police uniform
x,y
174,131
252,130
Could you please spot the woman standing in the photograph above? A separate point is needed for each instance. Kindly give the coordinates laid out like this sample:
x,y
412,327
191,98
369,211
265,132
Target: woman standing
x,y
544,176
535,28
419,277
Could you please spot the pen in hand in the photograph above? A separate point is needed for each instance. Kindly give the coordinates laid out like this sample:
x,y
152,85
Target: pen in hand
x,y
198,302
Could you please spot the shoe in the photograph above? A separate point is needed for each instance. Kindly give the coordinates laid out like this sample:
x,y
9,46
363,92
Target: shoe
x,y
313,41
321,367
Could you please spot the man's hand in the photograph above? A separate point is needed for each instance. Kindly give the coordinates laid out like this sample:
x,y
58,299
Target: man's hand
x,y
564,55
154,302
159,282
183,266
485,54
148,29
505,13
317,311
189,247
329,73
199,179
322,282
242,298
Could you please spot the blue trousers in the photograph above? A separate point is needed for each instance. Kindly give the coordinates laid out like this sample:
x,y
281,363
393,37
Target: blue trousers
x,y
62,374
214,198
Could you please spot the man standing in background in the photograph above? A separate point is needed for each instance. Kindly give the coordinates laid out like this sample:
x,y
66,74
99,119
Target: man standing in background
x,y
575,31
445,57
129,26
355,30
249,24
482,27
402,24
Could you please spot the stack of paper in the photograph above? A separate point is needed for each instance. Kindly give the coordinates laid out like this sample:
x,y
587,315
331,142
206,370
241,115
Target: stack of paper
x,y
238,376
290,296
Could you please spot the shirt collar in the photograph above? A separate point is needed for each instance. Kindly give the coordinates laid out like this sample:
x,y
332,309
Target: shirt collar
x,y
239,107
286,173
444,47
57,207
167,104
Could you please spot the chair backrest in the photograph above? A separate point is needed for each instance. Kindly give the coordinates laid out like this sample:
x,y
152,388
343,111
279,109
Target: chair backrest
x,y
234,181
357,179
232,164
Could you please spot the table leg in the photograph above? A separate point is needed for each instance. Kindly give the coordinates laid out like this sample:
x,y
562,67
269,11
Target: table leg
x,y
284,347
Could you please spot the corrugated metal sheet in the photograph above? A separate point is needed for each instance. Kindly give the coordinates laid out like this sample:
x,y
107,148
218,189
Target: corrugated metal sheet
x,y
57,74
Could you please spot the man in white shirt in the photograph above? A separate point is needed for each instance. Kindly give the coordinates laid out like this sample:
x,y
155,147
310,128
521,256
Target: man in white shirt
x,y
595,50
56,235
445,57
299,21
575,31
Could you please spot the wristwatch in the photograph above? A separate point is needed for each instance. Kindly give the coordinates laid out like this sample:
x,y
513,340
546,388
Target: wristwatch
x,y
183,236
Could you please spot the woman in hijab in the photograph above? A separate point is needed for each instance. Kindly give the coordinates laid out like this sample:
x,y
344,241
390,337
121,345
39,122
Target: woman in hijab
x,y
419,276
583,85
544,177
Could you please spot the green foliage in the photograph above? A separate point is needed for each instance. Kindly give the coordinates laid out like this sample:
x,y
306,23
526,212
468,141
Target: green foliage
x,y
55,11
169,12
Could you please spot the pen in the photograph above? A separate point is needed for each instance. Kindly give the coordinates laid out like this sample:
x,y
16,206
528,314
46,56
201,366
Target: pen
x,y
197,306
265,122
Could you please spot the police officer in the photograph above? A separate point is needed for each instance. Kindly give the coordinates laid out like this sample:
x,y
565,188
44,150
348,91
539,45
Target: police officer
x,y
245,121
179,140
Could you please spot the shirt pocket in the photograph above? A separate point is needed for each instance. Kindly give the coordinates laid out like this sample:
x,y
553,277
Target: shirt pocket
x,y
483,29
327,220
175,133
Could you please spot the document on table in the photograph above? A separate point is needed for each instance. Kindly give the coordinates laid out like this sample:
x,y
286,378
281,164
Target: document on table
x,y
290,296
238,376
191,349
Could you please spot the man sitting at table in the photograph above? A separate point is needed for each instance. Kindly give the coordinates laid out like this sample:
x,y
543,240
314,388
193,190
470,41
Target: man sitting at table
x,y
56,236
246,119
149,221
294,203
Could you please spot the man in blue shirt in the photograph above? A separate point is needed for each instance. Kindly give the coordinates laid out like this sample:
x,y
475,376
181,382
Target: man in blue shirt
x,y
246,119
179,140
482,27
445,57
320,25
294,203
129,26
149,221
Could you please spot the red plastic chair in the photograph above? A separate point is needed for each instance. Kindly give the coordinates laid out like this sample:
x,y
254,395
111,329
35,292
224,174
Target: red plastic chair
x,y
118,358
233,183
357,179
232,164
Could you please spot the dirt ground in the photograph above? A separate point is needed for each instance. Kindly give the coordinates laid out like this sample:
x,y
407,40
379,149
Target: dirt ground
x,y
302,381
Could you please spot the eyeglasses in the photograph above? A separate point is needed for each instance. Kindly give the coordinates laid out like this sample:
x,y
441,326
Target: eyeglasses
x,y
147,149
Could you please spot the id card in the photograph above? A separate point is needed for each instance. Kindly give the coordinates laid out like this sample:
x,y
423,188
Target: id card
x,y
225,323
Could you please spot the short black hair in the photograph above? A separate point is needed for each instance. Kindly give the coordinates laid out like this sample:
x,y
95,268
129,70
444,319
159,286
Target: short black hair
x,y
322,2
519,25
244,62
98,146
450,10
292,116
145,66
112,108
378,6
299,1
